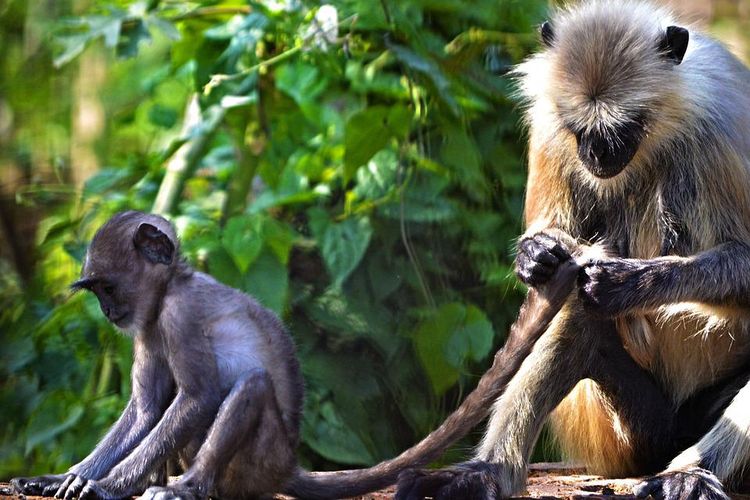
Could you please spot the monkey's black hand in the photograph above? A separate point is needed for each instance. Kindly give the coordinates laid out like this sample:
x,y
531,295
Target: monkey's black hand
x,y
467,481
538,258
695,483
616,286
40,486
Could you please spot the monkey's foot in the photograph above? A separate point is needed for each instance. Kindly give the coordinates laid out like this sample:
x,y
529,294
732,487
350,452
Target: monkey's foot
x,y
695,483
172,493
467,481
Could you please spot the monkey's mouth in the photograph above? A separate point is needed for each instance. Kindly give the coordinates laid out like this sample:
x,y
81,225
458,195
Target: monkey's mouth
x,y
122,320
606,154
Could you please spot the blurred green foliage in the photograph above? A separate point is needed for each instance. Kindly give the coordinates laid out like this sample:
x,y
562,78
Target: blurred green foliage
x,y
361,174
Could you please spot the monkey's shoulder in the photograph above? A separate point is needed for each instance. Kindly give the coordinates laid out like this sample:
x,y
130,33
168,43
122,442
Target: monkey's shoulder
x,y
202,303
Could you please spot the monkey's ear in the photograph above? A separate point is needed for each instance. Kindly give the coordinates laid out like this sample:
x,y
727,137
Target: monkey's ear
x,y
154,245
548,35
675,42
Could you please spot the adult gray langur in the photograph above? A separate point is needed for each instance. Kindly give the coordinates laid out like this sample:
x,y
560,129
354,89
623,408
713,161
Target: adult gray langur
x,y
639,165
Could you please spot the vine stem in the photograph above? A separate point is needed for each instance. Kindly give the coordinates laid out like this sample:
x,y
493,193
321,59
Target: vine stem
x,y
217,79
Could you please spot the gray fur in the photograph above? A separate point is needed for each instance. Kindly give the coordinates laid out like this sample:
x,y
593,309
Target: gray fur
x,y
215,379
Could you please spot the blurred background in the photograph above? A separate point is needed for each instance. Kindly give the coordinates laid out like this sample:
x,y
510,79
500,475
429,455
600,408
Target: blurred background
x,y
357,166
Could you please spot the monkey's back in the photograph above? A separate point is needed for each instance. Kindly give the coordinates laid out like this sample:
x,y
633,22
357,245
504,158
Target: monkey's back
x,y
244,336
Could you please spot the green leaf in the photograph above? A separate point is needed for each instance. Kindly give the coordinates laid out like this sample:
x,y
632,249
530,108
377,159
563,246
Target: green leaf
x,y
365,135
162,116
379,178
326,432
342,244
431,70
130,39
279,238
166,27
72,46
268,281
222,267
472,338
460,153
368,131
300,81
453,335
243,239
50,420
105,180
431,339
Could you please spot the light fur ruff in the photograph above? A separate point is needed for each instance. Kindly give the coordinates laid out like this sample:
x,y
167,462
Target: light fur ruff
x,y
691,168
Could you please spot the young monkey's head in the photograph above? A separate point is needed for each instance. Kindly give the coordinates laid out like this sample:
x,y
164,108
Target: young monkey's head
x,y
607,73
128,265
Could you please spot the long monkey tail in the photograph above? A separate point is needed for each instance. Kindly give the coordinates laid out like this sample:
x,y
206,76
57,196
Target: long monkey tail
x,y
539,308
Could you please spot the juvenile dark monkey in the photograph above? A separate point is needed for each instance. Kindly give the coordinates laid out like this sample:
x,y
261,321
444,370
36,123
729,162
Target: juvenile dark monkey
x,y
216,382
639,164
215,379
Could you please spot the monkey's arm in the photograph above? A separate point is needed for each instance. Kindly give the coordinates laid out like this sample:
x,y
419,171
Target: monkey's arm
x,y
197,400
151,389
716,277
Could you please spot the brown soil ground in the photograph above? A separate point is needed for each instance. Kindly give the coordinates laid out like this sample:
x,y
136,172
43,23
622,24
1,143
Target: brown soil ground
x,y
546,481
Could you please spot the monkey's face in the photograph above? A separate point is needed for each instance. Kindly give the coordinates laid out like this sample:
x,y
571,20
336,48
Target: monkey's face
x,y
115,300
608,78
127,267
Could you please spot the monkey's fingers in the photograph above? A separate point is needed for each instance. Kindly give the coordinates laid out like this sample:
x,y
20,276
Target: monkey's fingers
x,y
71,488
539,257
418,484
531,272
92,491
27,486
60,492
171,493
553,245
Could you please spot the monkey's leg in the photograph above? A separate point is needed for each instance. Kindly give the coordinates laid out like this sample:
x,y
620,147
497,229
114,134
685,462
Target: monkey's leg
x,y
576,346
247,418
138,418
717,418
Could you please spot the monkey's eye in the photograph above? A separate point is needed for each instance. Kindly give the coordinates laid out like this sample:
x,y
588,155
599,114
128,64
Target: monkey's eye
x,y
108,289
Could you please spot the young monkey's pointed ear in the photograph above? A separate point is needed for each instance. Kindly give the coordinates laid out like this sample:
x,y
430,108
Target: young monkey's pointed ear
x,y
154,245
675,42
547,34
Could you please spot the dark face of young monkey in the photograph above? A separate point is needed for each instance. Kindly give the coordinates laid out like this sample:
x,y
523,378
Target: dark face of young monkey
x,y
215,380
128,285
